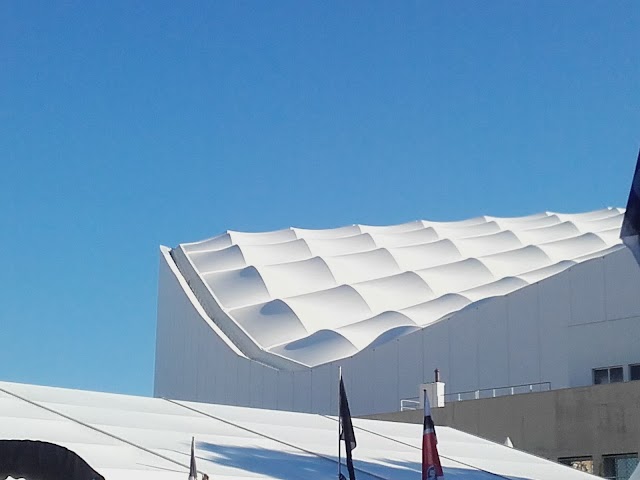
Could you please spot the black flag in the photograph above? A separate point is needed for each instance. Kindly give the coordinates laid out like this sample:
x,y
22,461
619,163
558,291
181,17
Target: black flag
x,y
631,222
193,472
346,429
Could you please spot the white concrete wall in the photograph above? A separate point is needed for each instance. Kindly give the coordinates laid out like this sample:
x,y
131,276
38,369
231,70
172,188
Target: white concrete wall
x,y
555,331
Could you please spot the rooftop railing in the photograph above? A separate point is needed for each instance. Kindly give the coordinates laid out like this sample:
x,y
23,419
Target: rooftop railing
x,y
413,403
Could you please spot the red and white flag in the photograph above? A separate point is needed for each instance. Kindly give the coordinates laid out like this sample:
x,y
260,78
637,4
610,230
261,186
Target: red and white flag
x,y
431,468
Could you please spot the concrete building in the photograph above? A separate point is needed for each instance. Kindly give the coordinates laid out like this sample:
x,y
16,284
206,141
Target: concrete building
x,y
549,300
594,428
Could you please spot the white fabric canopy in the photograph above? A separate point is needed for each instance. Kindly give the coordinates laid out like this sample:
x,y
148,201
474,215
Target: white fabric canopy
x,y
314,296
125,437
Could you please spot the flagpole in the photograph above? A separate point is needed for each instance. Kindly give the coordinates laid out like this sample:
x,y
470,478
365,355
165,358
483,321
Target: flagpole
x,y
339,426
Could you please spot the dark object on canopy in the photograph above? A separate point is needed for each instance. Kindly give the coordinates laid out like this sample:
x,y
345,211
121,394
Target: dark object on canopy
x,y
631,222
36,460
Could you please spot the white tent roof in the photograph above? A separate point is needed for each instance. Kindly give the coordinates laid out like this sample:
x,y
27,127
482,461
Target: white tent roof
x,y
125,437
314,296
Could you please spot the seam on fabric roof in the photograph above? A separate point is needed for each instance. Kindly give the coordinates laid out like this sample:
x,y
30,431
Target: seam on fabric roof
x,y
603,213
375,244
448,241
274,301
481,234
609,231
285,262
350,287
269,437
606,216
96,429
402,310
317,290
503,252
414,300
402,272
335,281
561,240
514,233
467,257
349,235
300,232
187,246
285,299
376,334
355,252
460,261
310,334
424,228
446,315
554,226
204,272
473,221
377,315
519,263
263,281
313,255
470,290
416,225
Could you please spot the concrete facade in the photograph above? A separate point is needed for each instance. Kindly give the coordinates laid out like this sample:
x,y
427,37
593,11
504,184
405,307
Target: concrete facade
x,y
590,421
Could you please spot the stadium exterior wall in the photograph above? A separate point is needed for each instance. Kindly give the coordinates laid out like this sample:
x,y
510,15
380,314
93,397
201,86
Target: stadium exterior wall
x,y
556,331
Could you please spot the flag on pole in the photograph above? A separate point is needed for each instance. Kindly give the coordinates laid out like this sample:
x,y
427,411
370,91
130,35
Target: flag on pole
x,y
193,473
431,469
346,430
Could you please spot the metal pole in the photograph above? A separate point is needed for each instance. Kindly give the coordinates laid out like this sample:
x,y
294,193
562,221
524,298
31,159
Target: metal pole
x,y
339,426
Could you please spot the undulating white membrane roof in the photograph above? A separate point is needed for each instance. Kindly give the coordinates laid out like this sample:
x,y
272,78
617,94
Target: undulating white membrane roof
x,y
315,296
127,438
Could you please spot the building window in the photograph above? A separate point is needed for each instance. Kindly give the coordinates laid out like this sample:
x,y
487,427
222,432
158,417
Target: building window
x,y
619,467
634,372
607,375
584,464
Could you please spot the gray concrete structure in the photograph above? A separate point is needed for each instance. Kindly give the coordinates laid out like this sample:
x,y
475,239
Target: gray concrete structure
x,y
594,421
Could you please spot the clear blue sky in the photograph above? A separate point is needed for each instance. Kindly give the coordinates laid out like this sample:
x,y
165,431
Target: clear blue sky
x,y
126,125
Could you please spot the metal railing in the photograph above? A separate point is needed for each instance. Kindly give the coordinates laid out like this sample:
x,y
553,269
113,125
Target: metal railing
x,y
413,403
498,391
410,404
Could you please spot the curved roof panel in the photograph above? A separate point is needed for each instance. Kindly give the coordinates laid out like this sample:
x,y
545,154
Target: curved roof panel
x,y
314,296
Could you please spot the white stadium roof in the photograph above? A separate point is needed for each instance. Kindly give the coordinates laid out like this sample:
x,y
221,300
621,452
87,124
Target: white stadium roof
x,y
125,437
301,298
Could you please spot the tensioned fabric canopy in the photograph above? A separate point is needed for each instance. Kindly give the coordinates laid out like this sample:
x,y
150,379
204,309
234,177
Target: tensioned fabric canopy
x,y
126,438
299,298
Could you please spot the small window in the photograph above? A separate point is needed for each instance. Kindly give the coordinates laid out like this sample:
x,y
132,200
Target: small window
x,y
600,375
583,464
634,372
607,375
615,375
619,467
